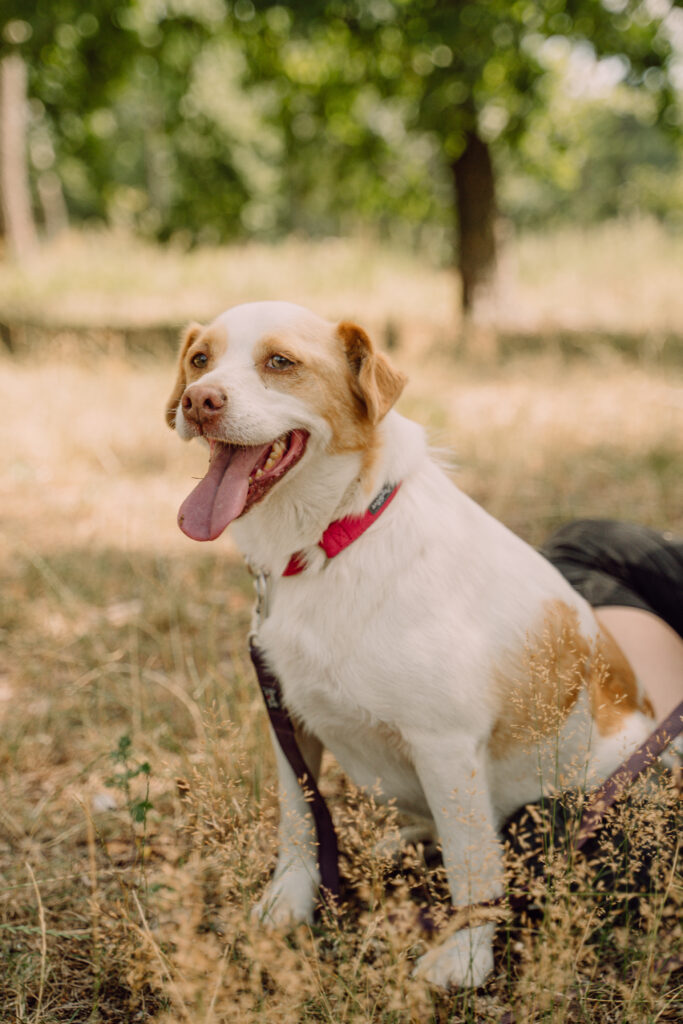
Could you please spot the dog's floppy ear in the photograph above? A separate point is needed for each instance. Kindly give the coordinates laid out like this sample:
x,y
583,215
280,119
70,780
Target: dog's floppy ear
x,y
375,382
190,334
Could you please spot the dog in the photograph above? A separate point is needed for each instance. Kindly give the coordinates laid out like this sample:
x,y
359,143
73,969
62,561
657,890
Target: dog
x,y
443,661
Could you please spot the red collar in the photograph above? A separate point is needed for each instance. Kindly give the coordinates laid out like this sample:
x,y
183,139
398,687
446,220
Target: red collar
x,y
343,532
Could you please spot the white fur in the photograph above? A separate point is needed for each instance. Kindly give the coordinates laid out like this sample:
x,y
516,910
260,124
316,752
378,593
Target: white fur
x,y
386,653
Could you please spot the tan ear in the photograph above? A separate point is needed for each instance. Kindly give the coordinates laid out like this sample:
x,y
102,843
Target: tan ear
x,y
190,334
376,383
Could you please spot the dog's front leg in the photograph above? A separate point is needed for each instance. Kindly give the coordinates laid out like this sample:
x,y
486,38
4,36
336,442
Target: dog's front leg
x,y
453,776
290,895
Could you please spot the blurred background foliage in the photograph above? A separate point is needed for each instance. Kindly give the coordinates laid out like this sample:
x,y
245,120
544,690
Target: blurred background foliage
x,y
204,121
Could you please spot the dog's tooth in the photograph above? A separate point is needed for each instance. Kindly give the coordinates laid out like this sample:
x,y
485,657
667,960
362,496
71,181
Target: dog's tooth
x,y
276,453
259,474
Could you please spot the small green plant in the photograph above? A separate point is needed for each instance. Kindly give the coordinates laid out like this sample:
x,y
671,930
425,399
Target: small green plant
x,y
138,807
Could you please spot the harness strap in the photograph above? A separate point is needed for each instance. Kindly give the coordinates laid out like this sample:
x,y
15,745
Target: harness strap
x,y
328,854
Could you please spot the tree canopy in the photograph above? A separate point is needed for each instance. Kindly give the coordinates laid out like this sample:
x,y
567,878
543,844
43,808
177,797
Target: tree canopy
x,y
210,120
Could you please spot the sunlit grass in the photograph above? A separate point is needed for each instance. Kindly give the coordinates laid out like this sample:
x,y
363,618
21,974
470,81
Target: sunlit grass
x,y
105,279
85,456
620,278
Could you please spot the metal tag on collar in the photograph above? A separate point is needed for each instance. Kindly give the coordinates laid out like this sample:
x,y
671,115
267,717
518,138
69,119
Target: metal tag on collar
x,y
381,498
263,587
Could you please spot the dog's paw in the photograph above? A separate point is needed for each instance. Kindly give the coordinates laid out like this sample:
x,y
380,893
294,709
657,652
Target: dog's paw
x,y
286,901
464,960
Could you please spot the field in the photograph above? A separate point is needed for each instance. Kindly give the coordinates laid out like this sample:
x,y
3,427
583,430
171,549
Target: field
x,y
137,805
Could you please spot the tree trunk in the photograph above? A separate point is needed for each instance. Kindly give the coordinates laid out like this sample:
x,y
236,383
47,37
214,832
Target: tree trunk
x,y
476,208
51,195
15,194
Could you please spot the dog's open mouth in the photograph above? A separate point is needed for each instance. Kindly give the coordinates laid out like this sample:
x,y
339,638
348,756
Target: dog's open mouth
x,y
236,479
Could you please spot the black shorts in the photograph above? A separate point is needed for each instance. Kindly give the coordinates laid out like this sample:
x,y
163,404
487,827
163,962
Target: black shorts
x,y
615,563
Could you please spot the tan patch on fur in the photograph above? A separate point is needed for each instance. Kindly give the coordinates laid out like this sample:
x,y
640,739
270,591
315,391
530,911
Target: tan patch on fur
x,y
374,381
351,391
213,343
539,685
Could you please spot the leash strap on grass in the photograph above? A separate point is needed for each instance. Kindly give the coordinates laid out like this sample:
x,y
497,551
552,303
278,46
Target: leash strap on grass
x,y
601,801
328,855
612,788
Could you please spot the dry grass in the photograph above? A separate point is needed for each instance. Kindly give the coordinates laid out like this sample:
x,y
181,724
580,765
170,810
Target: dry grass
x,y
614,278
105,279
137,813
620,280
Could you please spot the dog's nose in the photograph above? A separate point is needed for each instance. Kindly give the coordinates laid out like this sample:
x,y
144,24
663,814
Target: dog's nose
x,y
202,404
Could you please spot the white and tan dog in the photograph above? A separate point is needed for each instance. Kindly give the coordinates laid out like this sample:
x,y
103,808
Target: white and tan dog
x,y
438,656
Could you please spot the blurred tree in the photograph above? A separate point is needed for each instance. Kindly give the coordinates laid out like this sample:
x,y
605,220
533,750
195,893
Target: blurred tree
x,y
594,149
15,200
77,55
210,119
139,113
465,76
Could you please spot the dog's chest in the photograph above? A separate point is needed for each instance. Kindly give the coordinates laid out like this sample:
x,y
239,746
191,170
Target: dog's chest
x,y
337,658
341,684
330,675
360,644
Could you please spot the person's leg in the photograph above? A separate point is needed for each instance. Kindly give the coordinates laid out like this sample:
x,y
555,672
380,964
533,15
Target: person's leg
x,y
633,577
654,650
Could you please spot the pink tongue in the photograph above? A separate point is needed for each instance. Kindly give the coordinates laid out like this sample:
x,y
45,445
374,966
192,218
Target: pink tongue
x,y
221,496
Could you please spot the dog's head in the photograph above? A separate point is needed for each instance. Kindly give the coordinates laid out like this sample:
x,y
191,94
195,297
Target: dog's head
x,y
268,385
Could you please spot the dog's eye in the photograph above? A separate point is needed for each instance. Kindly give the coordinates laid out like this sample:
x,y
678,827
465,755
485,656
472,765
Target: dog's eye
x,y
200,360
278,362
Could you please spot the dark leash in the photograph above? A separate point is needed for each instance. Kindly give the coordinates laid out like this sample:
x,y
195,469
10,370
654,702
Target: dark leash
x,y
613,787
283,727
328,854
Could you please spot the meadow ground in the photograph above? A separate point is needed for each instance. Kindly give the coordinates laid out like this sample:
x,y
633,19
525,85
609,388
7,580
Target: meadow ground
x,y
137,810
